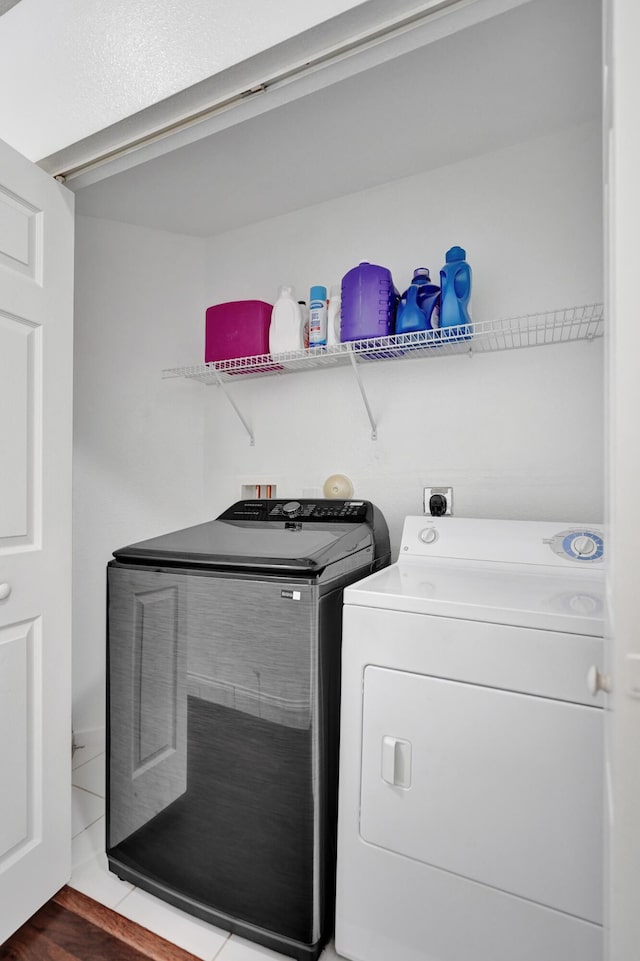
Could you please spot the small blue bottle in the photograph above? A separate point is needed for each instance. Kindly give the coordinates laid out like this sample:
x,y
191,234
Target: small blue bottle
x,y
455,280
419,306
318,316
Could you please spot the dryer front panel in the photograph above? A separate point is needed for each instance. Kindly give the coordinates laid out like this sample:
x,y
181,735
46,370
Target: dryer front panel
x,y
499,787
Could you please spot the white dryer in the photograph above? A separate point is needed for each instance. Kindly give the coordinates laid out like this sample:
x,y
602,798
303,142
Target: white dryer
x,y
471,761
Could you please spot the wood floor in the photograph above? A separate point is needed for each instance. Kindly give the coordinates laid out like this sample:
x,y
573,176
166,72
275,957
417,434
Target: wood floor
x,y
73,927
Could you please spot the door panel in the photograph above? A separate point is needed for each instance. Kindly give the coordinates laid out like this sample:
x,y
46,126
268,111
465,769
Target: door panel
x,y
155,676
494,786
147,697
19,357
36,299
20,662
20,235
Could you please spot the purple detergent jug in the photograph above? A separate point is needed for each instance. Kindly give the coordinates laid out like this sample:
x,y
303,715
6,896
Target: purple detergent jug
x,y
368,303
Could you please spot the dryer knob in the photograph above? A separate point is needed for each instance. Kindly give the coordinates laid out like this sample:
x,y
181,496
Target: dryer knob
x,y
429,535
292,508
584,545
585,604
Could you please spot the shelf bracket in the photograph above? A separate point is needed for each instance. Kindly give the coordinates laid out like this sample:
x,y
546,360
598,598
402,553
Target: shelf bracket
x,y
374,429
252,440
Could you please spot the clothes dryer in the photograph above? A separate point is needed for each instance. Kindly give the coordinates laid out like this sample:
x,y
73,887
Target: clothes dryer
x,y
471,761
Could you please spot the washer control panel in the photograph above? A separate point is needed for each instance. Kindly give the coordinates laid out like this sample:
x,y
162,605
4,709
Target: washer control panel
x,y
330,511
578,544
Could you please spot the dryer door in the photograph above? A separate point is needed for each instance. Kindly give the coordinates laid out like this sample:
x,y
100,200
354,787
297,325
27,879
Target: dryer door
x,y
499,787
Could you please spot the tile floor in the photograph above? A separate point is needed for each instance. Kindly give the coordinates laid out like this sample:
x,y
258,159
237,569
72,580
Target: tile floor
x,y
91,875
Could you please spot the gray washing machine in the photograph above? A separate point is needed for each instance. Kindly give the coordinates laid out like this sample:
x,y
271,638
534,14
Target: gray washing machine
x,y
223,706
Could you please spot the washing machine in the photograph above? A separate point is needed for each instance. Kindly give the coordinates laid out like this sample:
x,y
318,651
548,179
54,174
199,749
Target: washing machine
x,y
471,760
223,709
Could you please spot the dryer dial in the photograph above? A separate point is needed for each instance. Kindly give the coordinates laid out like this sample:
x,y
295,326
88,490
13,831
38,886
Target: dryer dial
x,y
584,546
292,508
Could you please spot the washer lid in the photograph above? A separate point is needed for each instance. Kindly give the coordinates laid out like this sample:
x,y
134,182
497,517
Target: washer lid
x,y
227,544
522,595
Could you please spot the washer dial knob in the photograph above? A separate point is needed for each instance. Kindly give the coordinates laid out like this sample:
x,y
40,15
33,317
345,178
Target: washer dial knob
x,y
292,508
429,535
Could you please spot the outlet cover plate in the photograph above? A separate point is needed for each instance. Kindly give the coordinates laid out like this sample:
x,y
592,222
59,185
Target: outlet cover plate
x,y
427,493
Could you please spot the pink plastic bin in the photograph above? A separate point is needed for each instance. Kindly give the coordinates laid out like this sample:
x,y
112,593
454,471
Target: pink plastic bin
x,y
237,329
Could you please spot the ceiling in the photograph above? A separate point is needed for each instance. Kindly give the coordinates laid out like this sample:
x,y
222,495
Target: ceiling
x,y
523,74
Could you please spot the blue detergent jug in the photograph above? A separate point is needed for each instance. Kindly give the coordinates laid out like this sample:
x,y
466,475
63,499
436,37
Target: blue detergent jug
x,y
455,280
419,306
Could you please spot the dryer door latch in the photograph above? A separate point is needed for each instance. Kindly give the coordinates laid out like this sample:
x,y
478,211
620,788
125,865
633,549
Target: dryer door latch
x,y
396,761
597,682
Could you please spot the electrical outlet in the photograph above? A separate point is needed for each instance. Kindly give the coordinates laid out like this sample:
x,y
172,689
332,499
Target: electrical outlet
x,y
441,505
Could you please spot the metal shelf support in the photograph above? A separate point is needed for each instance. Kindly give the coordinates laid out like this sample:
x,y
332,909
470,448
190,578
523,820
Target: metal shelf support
x,y
252,440
374,429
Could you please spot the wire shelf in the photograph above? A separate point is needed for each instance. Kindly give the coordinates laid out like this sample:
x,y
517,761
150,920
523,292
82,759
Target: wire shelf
x,y
531,330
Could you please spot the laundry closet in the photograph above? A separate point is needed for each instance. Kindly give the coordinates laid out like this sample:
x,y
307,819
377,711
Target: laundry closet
x,y
476,124
471,128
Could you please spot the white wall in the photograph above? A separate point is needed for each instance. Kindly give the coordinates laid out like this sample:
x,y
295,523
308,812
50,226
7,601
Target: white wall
x,y
137,443
518,434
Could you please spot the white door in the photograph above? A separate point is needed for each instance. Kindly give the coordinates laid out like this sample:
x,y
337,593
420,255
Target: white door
x,y
622,214
36,301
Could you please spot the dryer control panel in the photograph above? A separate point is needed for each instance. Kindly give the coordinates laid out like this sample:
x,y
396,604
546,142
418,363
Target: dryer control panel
x,y
578,544
548,543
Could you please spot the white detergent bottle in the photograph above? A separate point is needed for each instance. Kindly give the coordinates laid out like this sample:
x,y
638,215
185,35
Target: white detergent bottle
x,y
304,310
285,332
333,316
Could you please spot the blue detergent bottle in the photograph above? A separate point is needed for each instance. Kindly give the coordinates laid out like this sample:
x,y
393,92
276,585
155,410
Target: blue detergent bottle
x,y
428,297
455,280
419,306
410,316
